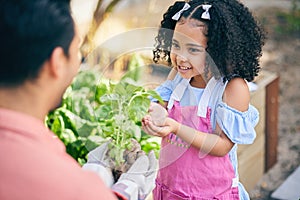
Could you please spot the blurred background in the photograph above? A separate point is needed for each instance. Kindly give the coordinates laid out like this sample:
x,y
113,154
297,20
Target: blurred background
x,y
115,32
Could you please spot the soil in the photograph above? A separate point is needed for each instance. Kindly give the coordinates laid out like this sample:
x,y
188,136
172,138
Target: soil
x,y
281,55
129,156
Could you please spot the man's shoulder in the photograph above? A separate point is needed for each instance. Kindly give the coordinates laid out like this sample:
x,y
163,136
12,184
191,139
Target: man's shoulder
x,y
33,170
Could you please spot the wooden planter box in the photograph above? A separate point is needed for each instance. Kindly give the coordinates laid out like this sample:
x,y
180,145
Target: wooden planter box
x,y
257,158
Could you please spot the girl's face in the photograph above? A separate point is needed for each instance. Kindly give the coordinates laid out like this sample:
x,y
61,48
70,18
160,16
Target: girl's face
x,y
188,48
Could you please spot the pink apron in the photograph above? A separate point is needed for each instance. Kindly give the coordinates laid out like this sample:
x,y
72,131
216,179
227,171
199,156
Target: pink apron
x,y
185,172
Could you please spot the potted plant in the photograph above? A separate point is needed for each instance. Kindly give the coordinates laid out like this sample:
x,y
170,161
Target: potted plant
x,y
94,112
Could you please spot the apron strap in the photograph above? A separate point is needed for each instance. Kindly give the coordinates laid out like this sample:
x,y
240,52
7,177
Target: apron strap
x,y
178,92
235,182
203,103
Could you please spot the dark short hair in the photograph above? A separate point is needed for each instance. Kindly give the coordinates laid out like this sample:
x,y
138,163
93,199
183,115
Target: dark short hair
x,y
30,31
235,38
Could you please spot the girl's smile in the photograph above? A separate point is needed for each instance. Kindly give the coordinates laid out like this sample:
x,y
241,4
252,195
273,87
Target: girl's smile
x,y
184,68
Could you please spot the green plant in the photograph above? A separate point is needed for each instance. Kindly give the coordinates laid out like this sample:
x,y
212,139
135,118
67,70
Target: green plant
x,y
122,108
289,22
94,112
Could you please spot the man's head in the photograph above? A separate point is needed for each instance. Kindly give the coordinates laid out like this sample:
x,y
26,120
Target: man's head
x,y
30,31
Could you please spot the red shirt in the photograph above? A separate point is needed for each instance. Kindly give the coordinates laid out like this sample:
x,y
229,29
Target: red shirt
x,y
35,166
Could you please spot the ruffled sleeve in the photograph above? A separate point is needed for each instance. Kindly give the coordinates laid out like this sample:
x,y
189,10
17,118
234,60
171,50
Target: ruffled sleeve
x,y
237,125
166,88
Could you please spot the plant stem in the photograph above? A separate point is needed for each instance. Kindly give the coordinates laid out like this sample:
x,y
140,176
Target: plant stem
x,y
122,129
118,125
134,96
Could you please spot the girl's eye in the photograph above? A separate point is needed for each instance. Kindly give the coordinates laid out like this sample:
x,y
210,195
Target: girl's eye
x,y
195,50
175,45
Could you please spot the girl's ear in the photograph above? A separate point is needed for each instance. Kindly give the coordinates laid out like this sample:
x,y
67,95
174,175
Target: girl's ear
x,y
57,62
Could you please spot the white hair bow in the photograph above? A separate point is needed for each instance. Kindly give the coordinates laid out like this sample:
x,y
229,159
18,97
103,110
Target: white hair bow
x,y
205,14
178,14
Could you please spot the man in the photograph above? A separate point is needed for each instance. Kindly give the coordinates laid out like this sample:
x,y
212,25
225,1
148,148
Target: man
x,y
39,57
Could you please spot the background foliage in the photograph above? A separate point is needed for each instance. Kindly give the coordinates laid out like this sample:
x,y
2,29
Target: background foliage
x,y
95,109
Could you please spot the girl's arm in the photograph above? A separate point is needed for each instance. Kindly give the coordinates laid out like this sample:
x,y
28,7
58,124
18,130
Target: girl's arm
x,y
236,95
213,144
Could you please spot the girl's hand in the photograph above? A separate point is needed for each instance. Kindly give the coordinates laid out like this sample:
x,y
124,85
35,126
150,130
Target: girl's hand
x,y
163,130
158,114
158,123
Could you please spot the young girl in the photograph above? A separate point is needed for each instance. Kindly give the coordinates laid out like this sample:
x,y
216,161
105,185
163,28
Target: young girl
x,y
214,47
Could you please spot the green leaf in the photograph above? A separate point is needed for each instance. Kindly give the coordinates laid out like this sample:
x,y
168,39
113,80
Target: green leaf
x,y
68,136
86,111
91,144
86,129
138,108
84,79
102,89
120,89
81,161
150,144
57,125
131,89
107,98
75,149
103,112
155,95
108,131
135,131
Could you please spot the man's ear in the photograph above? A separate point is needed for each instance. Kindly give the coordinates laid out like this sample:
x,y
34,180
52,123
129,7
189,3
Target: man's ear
x,y
57,62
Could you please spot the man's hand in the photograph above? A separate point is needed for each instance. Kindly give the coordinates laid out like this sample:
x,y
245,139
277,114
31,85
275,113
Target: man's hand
x,y
139,181
98,163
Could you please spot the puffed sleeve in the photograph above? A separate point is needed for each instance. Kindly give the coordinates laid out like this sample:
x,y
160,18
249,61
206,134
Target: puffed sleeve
x,y
165,90
237,125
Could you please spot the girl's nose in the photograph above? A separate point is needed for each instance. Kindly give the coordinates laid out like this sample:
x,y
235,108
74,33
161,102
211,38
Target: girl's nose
x,y
181,58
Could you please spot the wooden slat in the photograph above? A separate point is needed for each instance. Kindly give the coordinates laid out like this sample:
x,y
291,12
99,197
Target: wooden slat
x,y
272,96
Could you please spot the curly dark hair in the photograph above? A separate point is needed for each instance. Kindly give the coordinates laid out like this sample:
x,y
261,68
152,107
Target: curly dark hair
x,y
235,38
